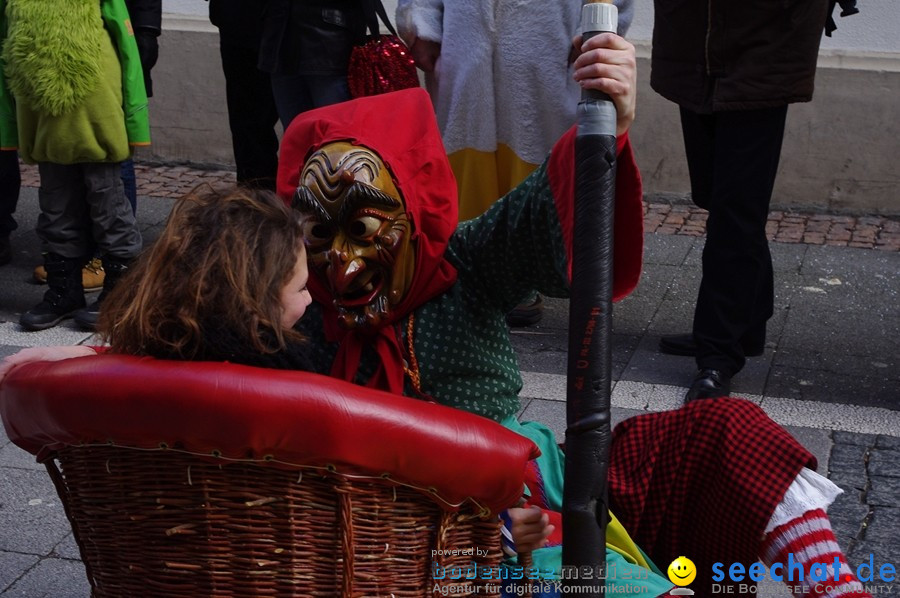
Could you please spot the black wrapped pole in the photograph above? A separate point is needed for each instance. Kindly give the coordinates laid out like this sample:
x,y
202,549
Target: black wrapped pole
x,y
589,381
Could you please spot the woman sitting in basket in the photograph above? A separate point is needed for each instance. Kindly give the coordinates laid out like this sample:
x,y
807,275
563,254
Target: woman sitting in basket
x,y
409,301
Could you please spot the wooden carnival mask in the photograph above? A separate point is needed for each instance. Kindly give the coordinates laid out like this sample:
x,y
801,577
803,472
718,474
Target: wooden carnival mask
x,y
357,232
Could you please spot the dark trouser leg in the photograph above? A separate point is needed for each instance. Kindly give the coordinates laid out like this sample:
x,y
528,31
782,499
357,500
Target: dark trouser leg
x,y
698,132
115,231
251,115
129,182
10,183
736,292
63,225
64,230
298,93
112,222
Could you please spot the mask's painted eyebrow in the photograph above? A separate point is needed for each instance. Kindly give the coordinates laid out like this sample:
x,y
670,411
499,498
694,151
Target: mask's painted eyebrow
x,y
360,193
306,203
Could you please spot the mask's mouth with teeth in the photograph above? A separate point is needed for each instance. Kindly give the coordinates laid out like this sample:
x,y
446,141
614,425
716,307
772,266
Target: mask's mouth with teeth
x,y
362,289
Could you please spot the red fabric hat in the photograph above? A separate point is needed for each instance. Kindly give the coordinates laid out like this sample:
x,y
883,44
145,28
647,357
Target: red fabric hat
x,y
401,128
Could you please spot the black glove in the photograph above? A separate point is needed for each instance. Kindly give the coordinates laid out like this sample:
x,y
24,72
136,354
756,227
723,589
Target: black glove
x,y
148,49
848,7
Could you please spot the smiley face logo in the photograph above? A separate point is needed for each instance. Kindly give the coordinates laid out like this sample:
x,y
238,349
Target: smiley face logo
x,y
682,571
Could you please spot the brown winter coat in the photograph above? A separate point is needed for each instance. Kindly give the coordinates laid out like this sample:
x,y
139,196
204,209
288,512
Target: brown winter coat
x,y
718,55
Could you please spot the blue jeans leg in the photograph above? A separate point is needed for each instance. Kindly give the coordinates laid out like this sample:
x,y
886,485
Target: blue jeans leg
x,y
298,93
129,181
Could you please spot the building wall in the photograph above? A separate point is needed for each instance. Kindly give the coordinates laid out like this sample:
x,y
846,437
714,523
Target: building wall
x,y
840,150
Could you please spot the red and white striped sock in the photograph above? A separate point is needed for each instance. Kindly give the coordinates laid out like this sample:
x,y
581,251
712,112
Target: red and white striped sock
x,y
807,543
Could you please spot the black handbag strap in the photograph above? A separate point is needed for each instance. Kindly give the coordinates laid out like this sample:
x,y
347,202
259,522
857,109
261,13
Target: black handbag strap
x,y
373,10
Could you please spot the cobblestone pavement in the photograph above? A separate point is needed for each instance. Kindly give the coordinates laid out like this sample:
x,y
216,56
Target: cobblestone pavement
x,y
866,517
868,232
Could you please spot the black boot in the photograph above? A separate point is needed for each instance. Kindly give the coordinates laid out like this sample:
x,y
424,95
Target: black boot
x,y
115,268
64,297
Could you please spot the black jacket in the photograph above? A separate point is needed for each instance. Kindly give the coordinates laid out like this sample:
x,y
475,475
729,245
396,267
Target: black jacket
x,y
310,36
146,20
717,55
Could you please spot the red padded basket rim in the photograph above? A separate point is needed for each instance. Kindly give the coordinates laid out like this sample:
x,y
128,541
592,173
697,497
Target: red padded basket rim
x,y
237,412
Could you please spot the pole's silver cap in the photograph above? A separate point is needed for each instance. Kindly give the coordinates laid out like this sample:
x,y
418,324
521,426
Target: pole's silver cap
x,y
599,16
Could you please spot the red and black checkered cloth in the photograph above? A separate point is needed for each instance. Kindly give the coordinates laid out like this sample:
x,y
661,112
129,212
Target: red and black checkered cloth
x,y
702,482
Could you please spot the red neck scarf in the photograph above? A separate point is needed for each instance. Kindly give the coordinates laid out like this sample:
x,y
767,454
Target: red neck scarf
x,y
401,128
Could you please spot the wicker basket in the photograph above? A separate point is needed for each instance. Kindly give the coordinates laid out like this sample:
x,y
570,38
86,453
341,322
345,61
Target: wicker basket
x,y
166,523
190,480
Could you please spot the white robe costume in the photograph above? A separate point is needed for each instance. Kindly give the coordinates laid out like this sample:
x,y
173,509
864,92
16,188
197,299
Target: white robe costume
x,y
502,88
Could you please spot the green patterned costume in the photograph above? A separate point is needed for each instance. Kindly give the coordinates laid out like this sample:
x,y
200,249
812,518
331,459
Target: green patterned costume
x,y
461,343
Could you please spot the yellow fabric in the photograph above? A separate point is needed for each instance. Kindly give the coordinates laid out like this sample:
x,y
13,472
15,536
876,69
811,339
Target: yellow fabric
x,y
617,539
485,177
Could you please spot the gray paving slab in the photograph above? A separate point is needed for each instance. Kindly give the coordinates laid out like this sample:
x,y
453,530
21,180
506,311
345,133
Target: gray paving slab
x,y
51,578
672,250
883,526
684,283
884,463
67,548
656,282
862,386
849,516
883,491
14,566
32,520
673,316
14,457
787,258
630,315
888,442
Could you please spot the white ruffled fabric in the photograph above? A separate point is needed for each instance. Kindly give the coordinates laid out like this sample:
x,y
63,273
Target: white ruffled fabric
x,y
808,491
502,77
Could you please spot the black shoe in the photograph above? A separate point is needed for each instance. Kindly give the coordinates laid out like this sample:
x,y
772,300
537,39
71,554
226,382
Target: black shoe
x,y
115,269
5,250
49,312
527,314
87,317
64,296
685,345
708,384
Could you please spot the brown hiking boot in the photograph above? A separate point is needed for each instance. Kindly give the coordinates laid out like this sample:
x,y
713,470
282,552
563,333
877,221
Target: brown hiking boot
x,y
92,275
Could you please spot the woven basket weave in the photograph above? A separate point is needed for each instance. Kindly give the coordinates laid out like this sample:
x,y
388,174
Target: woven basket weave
x,y
165,523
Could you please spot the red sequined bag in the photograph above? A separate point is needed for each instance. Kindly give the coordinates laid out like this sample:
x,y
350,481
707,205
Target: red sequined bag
x,y
383,62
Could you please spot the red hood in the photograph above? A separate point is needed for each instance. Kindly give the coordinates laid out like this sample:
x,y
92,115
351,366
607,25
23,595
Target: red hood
x,y
401,128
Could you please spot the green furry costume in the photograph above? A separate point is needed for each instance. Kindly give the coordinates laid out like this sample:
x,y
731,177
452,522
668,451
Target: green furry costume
x,y
71,85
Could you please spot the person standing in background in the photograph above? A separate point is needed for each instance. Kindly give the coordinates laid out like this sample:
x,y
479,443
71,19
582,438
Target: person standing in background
x,y
10,183
306,49
146,20
248,91
72,100
733,68
499,75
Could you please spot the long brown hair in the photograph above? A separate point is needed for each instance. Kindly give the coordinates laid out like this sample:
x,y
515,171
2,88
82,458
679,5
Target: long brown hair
x,y
223,259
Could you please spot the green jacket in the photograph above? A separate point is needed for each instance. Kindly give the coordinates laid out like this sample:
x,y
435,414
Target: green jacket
x,y
99,128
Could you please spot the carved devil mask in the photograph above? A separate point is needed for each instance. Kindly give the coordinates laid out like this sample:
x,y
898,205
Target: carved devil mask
x,y
357,232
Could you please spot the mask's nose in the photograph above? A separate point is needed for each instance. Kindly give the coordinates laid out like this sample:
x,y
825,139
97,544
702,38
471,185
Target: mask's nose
x,y
344,270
